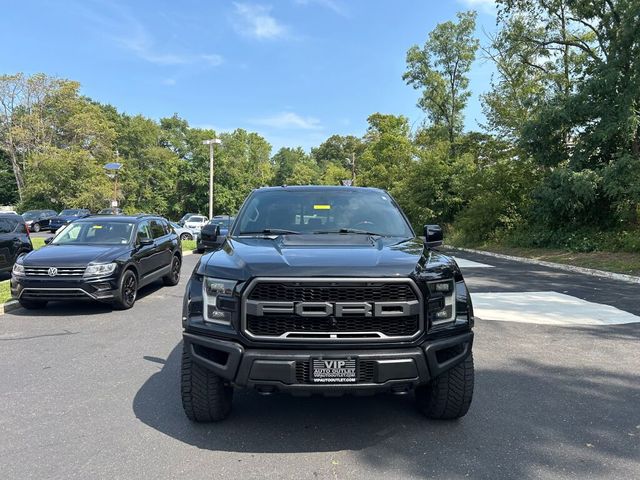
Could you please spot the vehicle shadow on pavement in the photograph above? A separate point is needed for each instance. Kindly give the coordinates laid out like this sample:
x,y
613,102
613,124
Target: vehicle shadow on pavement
x,y
82,307
525,419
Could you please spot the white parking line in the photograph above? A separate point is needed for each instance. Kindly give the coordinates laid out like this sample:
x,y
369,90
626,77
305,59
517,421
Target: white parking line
x,y
547,308
463,263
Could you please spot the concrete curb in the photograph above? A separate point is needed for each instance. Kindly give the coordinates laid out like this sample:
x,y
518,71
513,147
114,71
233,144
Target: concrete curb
x,y
9,306
560,266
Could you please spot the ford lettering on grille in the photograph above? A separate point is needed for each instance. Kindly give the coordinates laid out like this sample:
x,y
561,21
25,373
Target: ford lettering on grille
x,y
338,309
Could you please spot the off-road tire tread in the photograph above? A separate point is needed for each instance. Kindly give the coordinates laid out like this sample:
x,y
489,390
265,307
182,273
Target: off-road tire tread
x,y
448,396
205,396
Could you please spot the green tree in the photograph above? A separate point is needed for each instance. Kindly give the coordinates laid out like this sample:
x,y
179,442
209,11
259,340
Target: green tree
x,y
65,178
294,167
389,152
440,68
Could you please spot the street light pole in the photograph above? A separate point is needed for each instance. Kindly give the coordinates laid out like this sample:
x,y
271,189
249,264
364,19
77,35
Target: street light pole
x,y
211,143
353,168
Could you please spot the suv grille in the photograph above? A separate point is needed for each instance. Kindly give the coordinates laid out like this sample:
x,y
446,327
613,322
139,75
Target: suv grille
x,y
60,271
270,309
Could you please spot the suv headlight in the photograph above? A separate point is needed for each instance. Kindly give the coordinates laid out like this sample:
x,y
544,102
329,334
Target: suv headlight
x,y
18,269
213,289
100,269
442,303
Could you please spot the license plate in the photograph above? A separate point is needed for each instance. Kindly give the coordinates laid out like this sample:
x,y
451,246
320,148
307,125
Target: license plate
x,y
333,370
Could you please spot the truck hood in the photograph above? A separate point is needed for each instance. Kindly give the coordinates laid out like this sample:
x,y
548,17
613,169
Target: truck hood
x,y
328,255
73,255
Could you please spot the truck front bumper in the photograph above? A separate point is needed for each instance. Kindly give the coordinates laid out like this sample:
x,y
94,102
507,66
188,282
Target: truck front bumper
x,y
379,370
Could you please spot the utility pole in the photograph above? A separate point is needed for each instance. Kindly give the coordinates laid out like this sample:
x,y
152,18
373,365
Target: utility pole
x,y
353,168
211,143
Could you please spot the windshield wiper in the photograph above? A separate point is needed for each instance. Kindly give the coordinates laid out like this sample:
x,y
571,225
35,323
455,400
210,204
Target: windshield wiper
x,y
353,230
272,231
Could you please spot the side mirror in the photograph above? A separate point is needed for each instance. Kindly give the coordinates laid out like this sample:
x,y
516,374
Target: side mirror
x,y
432,236
145,241
48,240
216,233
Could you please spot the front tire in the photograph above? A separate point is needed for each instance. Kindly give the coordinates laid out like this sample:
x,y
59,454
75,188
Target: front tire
x,y
32,304
173,278
127,291
448,396
185,236
36,227
206,397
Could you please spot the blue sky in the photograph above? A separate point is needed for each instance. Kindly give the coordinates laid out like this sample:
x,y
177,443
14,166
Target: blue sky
x,y
296,71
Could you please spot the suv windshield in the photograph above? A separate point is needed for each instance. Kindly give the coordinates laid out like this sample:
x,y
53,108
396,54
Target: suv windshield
x,y
96,232
70,212
322,211
31,215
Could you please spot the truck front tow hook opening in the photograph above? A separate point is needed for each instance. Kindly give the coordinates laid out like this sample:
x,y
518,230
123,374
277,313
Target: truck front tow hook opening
x,y
266,389
402,389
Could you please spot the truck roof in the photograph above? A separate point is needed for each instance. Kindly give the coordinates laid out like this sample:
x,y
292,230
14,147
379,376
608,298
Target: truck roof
x,y
298,188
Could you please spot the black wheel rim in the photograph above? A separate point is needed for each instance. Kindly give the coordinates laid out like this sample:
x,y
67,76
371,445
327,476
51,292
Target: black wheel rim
x,y
129,289
175,269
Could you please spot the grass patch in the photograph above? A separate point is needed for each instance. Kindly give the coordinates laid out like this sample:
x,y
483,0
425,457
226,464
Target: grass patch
x,y
618,262
188,245
37,242
5,291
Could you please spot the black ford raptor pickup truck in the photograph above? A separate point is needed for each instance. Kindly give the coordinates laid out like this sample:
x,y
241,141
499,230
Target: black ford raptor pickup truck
x,y
326,290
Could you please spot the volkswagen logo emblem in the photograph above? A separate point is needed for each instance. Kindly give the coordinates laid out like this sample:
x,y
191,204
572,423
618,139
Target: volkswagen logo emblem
x,y
53,271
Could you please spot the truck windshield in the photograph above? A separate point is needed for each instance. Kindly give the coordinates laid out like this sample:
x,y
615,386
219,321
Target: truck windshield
x,y
319,211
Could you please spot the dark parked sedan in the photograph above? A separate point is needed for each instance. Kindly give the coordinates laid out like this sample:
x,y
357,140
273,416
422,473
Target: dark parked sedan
x,y
14,240
99,258
67,216
213,233
37,220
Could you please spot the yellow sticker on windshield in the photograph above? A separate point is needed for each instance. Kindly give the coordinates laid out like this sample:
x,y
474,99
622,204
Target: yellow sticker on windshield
x,y
322,207
96,226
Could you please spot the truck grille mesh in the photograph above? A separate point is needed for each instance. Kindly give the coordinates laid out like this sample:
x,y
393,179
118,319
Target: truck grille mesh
x,y
274,326
347,293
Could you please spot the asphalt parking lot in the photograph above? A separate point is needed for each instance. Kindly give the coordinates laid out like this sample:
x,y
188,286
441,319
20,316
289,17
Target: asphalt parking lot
x,y
87,392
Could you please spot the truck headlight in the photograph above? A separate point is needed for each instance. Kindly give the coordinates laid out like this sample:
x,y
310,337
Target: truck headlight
x,y
100,269
213,289
442,304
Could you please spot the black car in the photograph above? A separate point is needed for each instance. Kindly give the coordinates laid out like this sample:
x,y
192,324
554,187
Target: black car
x,y
99,258
327,290
37,220
14,240
213,233
67,216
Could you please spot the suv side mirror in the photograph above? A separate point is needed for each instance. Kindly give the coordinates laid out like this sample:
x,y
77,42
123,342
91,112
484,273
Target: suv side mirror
x,y
144,241
432,236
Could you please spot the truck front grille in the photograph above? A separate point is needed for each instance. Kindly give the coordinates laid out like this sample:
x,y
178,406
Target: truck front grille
x,y
332,310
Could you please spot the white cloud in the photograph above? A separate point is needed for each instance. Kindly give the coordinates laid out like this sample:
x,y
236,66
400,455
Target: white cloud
x,y
170,82
333,5
289,120
486,6
256,21
118,25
